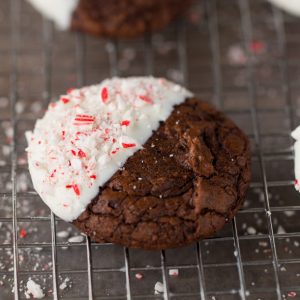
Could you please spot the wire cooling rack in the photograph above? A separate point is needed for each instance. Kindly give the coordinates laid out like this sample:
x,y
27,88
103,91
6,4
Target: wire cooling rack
x,y
243,56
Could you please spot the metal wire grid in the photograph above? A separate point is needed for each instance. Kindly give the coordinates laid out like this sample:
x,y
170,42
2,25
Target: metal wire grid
x,y
260,156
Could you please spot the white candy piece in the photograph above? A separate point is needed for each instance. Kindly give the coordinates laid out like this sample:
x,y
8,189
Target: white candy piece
x,y
174,272
63,234
76,239
139,276
158,288
34,289
290,6
86,136
64,284
59,11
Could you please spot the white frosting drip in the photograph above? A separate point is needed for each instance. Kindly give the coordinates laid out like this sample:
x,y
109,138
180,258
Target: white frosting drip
x,y
291,6
296,136
59,11
87,135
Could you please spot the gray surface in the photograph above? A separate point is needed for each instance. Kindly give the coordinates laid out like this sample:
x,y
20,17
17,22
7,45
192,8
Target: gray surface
x,y
37,63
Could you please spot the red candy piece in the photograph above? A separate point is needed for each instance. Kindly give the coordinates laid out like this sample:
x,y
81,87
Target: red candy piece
x,y
83,120
70,90
104,95
93,176
125,145
23,233
76,189
125,123
115,151
81,153
146,99
257,47
53,173
65,100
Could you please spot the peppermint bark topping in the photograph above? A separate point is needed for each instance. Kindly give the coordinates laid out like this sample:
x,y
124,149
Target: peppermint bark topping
x,y
82,141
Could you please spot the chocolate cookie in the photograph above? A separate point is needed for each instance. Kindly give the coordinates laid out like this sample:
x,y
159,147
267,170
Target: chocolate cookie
x,y
189,179
126,18
140,162
113,18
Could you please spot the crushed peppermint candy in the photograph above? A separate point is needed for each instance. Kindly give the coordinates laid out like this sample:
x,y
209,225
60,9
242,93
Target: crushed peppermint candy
x,y
104,95
158,288
64,284
34,290
251,230
83,120
65,100
125,123
126,145
257,47
83,140
63,234
139,276
174,272
292,294
23,233
76,239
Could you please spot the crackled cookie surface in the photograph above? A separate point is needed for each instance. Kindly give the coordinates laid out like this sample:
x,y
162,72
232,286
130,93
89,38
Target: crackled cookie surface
x,y
139,162
113,18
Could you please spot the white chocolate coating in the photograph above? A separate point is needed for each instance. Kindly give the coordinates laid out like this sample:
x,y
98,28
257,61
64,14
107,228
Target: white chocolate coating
x,y
59,11
290,6
87,135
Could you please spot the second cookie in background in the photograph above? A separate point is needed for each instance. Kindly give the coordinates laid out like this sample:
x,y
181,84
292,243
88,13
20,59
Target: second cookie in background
x,y
114,18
